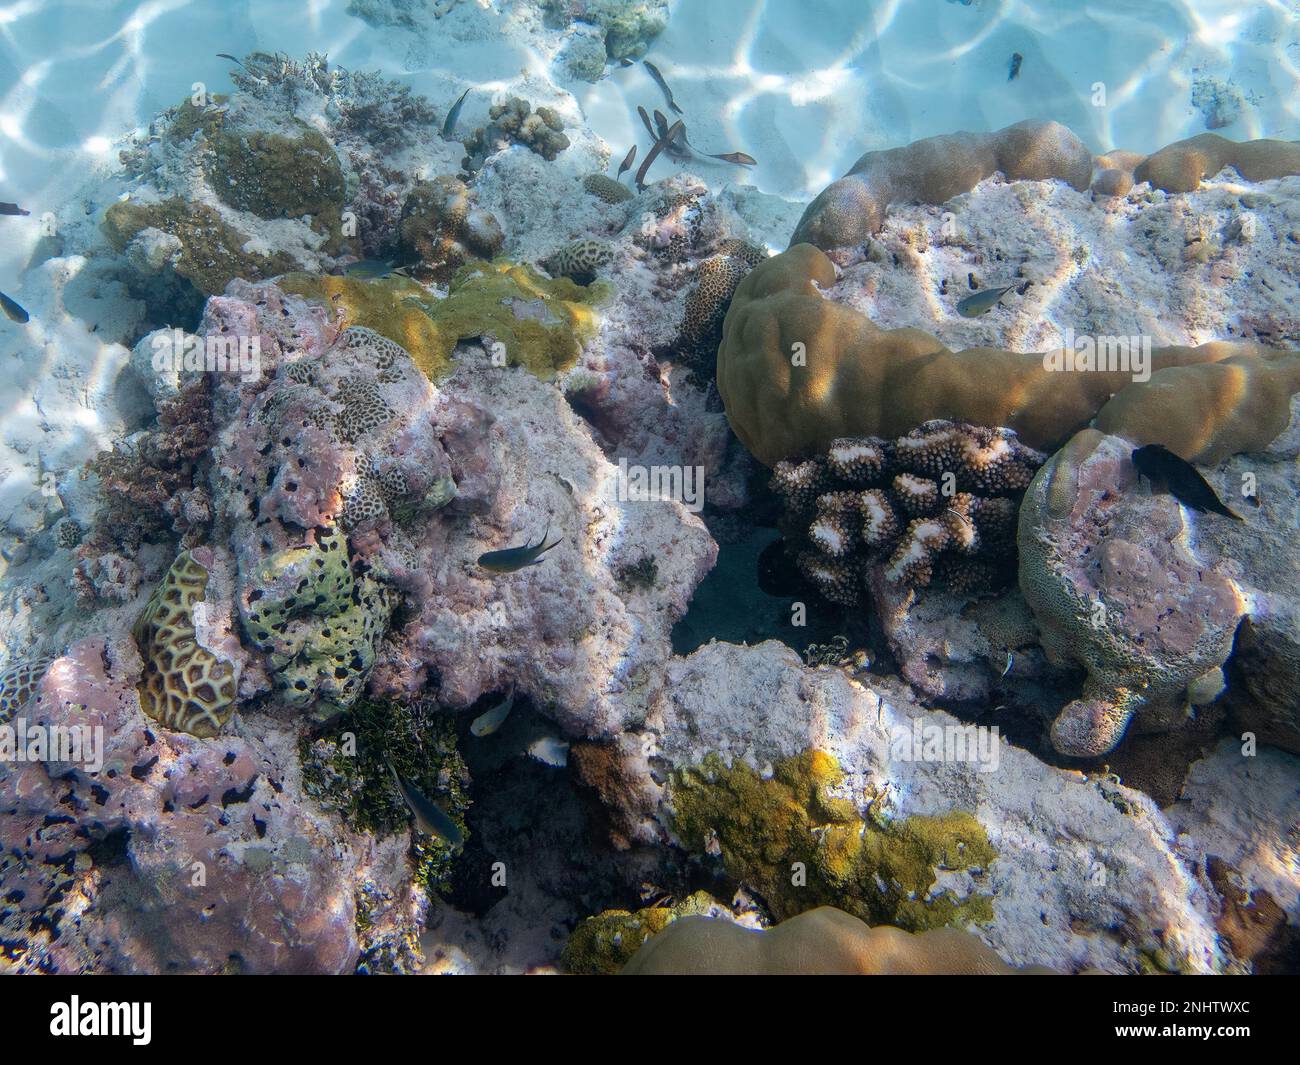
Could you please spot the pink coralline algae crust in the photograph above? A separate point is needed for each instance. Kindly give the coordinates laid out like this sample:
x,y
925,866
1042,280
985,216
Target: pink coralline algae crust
x,y
179,855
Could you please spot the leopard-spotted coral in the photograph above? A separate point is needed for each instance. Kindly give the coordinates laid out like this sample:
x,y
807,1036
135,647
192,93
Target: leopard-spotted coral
x,y
184,685
605,188
19,682
716,281
939,503
578,260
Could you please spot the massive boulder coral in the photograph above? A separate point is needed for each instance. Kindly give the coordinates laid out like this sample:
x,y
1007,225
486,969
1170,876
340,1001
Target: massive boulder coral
x,y
796,371
936,169
1115,585
442,228
821,942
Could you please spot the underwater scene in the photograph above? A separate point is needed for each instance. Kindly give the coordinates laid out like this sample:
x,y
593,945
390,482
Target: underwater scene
x,y
593,487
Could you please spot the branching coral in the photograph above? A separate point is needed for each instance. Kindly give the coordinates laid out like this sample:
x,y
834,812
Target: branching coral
x,y
150,489
821,942
796,371
939,501
442,229
797,821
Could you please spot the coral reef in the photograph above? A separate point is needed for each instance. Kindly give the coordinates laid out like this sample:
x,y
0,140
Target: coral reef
x,y
606,189
603,944
578,260
442,229
515,122
940,500
277,177
628,26
346,768
185,685
821,942
207,252
797,371
882,871
1115,585
717,279
179,854
1182,166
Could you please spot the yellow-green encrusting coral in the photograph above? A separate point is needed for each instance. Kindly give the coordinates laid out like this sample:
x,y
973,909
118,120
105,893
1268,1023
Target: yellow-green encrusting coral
x,y
211,252
274,176
603,944
774,833
317,622
540,323
345,768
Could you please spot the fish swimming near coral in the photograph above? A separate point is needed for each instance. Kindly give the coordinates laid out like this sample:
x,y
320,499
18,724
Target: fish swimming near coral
x,y
487,723
13,311
512,559
663,85
12,209
550,751
738,158
430,818
669,136
1016,60
982,302
371,269
627,162
449,126
1181,479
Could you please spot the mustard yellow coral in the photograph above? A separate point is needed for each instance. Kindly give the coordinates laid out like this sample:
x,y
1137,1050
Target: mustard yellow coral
x,y
797,371
799,844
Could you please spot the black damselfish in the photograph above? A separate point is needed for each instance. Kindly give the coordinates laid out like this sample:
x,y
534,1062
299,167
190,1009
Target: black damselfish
x,y
1180,478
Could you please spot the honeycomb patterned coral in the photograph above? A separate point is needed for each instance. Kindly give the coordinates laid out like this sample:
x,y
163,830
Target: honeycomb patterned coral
x,y
578,260
19,682
387,355
605,188
936,503
364,409
184,686
363,501
316,621
716,281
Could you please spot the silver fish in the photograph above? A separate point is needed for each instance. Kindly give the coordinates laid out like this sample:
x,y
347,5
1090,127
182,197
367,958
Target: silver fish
x,y
449,126
982,302
430,818
663,85
550,750
487,723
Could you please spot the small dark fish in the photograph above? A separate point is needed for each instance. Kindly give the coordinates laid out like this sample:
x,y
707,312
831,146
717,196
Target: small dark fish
x,y
661,123
1180,478
369,269
227,55
625,62
982,302
449,126
12,311
659,80
628,160
430,818
739,158
645,117
662,143
12,209
1016,60
511,559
